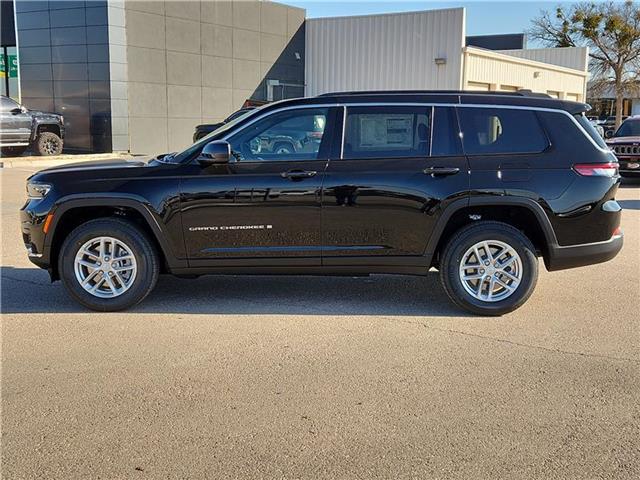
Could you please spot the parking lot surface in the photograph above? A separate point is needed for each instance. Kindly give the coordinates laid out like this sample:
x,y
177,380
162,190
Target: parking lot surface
x,y
306,377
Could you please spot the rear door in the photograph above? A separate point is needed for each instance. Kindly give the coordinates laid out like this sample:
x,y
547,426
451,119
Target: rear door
x,y
397,168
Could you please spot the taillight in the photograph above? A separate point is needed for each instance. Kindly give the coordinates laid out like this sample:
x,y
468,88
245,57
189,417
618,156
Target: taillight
x,y
609,169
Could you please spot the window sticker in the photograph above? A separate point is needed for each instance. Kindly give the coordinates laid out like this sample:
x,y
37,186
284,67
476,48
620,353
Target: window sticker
x,y
394,130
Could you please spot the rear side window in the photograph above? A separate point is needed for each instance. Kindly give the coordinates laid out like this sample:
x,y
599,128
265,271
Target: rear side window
x,y
488,131
387,132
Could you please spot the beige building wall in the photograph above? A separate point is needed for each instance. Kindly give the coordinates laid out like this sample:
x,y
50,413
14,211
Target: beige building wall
x,y
191,62
490,70
413,50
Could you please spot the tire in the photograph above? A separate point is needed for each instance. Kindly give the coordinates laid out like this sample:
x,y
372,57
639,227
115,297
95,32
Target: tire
x,y
13,151
48,143
523,265
141,278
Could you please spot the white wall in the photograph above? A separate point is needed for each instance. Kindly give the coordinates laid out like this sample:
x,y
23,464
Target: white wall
x,y
502,72
385,52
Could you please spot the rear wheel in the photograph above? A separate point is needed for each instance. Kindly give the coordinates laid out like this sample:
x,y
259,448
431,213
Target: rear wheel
x,y
489,268
48,143
108,265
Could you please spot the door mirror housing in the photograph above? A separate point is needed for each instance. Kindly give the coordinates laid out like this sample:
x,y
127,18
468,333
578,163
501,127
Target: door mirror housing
x,y
17,110
214,153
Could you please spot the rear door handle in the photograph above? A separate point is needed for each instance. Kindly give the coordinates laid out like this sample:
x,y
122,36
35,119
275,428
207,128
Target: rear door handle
x,y
440,171
298,174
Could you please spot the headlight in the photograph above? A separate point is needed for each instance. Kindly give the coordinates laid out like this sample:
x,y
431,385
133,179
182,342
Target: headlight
x,y
37,190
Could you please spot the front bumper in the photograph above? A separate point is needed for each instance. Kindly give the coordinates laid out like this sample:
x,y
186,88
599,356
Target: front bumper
x,y
32,228
563,257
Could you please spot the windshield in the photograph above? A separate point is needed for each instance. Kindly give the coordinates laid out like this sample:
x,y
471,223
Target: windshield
x,y
182,156
630,128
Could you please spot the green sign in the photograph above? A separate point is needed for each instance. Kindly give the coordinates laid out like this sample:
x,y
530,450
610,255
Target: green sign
x,y
13,66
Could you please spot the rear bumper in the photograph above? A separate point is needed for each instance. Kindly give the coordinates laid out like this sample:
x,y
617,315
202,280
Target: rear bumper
x,y
561,258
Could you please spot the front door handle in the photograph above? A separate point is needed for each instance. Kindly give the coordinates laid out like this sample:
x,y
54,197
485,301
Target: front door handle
x,y
298,174
440,171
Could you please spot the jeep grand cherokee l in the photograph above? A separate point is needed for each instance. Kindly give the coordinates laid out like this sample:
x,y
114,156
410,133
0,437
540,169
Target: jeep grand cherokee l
x,y
478,186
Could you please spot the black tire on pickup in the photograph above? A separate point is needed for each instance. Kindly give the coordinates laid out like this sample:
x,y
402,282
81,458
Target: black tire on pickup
x,y
48,143
13,151
111,284
465,292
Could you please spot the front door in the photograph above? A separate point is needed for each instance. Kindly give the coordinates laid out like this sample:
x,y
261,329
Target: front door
x,y
399,167
15,124
265,203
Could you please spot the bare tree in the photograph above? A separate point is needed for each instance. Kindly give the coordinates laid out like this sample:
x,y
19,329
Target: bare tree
x,y
612,33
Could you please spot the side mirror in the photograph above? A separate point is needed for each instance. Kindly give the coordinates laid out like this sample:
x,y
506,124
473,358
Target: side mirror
x,y
16,111
215,152
609,133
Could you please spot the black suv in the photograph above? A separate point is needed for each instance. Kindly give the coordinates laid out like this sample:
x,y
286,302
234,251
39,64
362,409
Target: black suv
x,y
475,185
21,128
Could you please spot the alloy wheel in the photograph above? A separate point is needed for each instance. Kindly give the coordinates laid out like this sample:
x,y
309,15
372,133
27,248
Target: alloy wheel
x,y
491,271
105,267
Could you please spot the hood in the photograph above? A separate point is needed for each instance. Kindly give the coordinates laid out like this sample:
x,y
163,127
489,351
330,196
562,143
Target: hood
x,y
39,113
616,140
99,165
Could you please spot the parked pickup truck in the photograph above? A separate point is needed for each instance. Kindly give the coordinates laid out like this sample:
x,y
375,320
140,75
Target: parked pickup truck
x,y
21,128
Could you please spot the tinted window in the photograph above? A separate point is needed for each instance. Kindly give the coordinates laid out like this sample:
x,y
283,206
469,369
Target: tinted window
x,y
488,131
7,104
446,134
290,135
387,132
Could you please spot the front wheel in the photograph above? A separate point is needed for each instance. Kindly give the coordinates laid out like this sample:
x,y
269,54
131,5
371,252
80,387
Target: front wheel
x,y
108,265
489,268
48,143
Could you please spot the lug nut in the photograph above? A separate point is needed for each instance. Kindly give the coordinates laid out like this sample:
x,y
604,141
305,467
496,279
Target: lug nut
x,y
482,270
106,259
487,263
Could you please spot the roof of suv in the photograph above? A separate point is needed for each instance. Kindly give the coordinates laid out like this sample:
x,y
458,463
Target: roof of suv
x,y
520,98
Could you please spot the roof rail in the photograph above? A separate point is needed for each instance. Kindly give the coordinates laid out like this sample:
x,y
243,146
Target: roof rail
x,y
519,93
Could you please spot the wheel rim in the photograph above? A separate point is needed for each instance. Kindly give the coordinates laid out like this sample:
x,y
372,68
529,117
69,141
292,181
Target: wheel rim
x,y
105,267
50,146
491,271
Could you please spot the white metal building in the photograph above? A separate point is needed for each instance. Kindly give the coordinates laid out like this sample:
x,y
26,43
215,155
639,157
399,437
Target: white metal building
x,y
426,50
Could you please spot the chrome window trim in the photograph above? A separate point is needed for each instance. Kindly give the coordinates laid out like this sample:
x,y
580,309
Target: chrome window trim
x,y
345,105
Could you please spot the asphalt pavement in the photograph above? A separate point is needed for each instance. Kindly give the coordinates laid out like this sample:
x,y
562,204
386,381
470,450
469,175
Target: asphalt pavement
x,y
314,378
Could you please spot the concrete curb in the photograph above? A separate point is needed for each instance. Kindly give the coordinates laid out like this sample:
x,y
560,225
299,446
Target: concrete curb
x,y
45,162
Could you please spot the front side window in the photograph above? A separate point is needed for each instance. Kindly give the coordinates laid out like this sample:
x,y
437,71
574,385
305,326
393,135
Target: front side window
x,y
291,135
488,131
387,132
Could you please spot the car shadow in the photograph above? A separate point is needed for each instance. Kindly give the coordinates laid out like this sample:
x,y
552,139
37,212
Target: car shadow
x,y
28,290
629,204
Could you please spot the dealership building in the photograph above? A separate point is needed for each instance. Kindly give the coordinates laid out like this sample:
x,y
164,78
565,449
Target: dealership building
x,y
138,76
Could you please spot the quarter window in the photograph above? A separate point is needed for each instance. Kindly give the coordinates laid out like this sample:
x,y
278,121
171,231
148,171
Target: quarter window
x,y
487,131
387,132
285,136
